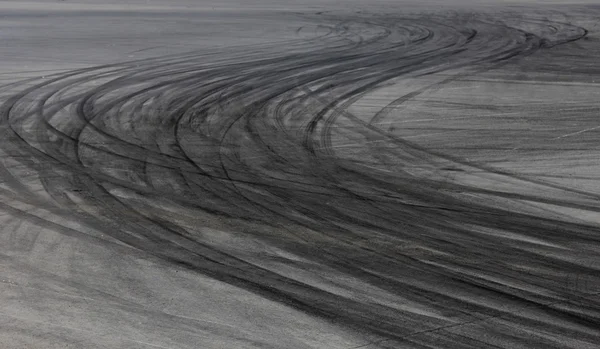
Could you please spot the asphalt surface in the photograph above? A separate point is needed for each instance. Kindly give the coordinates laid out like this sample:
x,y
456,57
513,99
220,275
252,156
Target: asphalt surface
x,y
303,175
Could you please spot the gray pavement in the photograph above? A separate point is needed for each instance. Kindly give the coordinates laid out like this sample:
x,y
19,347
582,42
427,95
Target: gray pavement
x,y
314,174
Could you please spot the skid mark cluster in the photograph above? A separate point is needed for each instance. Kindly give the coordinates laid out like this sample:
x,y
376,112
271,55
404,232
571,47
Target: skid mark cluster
x,y
153,151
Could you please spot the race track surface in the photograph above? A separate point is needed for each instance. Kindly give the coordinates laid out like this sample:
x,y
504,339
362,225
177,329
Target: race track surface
x,y
301,175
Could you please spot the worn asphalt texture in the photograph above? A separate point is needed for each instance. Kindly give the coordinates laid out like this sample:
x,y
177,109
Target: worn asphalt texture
x,y
302,175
